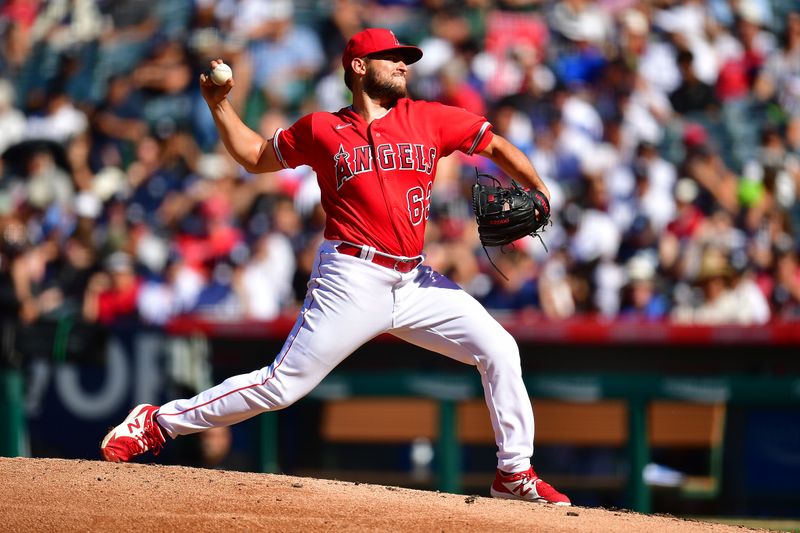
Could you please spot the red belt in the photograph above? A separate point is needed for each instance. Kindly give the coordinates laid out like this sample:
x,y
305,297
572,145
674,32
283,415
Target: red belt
x,y
401,265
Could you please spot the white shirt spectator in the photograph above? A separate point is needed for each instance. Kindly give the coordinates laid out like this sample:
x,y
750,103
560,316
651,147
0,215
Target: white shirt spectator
x,y
158,301
662,175
65,23
642,118
12,120
437,53
581,21
609,279
580,115
267,279
658,207
687,18
63,122
554,289
752,305
332,94
597,237
658,65
247,16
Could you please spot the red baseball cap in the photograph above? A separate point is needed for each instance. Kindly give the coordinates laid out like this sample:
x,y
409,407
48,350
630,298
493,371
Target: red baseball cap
x,y
374,40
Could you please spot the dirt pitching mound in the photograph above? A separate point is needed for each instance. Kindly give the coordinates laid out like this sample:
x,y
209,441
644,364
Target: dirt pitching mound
x,y
68,495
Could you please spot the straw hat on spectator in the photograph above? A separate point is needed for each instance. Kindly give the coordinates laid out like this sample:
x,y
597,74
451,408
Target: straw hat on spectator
x,y
640,269
714,264
40,194
119,262
214,166
635,22
686,190
108,182
749,12
88,205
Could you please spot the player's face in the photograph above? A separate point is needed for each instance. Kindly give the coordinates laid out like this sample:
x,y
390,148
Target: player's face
x,y
385,79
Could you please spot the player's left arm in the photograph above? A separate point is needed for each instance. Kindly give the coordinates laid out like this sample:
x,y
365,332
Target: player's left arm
x,y
514,163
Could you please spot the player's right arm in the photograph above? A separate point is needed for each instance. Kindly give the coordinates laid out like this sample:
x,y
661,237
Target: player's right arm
x,y
246,146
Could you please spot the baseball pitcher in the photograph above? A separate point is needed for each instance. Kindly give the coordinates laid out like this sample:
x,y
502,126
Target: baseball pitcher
x,y
375,161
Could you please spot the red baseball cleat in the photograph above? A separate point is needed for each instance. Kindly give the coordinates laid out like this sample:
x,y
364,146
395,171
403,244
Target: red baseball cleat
x,y
526,486
137,434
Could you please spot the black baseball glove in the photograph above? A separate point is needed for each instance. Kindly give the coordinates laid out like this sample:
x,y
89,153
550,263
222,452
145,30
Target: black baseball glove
x,y
506,214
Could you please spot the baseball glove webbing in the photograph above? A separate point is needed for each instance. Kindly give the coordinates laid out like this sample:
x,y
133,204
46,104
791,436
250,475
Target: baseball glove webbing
x,y
507,214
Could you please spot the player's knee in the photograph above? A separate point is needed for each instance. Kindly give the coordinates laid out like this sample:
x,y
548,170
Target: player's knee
x,y
508,345
274,399
504,351
277,390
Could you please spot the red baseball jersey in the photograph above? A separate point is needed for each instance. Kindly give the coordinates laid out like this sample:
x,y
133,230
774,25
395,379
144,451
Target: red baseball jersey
x,y
376,179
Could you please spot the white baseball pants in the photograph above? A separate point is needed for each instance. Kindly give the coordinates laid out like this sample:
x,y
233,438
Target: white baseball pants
x,y
350,301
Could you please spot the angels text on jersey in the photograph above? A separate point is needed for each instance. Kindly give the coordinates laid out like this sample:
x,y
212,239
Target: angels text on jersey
x,y
390,156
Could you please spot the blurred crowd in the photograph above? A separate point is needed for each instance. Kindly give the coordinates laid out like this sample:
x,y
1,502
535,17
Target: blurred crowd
x,y
667,130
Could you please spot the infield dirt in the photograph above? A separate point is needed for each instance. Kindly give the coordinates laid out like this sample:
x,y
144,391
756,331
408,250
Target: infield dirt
x,y
75,495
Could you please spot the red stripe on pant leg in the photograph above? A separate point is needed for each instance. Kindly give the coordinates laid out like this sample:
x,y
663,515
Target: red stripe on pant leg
x,y
285,353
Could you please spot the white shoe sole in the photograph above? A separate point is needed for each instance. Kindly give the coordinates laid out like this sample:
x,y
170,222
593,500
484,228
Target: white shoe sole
x,y
507,496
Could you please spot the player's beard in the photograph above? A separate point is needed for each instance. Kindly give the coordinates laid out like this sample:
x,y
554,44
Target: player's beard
x,y
384,90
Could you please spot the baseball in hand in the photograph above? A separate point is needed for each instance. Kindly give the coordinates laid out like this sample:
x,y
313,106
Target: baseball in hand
x,y
221,74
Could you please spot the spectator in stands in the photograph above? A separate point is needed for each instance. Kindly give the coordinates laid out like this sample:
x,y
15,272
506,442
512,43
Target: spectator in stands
x,y
456,90
344,19
118,123
214,234
305,264
462,266
581,20
653,57
752,303
682,230
655,183
285,56
164,78
597,237
585,28
19,16
17,297
267,278
718,183
725,298
73,270
785,293
714,303
111,295
66,31
48,184
124,42
642,298
12,120
449,30
515,284
779,78
170,287
60,119
692,95
556,286
154,174
221,296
